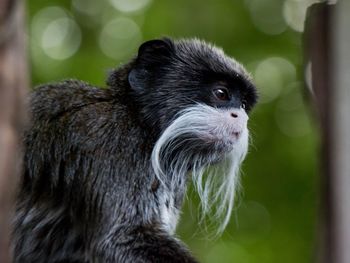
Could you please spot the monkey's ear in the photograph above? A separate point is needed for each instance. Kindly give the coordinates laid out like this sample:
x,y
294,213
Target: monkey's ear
x,y
154,51
138,79
152,56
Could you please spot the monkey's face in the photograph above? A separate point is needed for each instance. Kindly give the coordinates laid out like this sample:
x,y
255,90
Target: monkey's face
x,y
195,93
197,99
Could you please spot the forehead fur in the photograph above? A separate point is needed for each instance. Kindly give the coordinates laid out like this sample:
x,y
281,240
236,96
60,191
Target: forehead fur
x,y
200,54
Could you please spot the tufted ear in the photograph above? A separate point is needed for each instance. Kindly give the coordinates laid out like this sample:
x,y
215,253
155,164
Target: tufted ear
x,y
152,55
155,50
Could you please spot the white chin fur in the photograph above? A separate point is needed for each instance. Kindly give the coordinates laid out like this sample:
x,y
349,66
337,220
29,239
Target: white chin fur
x,y
216,185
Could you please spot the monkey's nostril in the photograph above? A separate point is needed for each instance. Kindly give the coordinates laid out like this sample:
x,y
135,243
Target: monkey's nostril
x,y
234,115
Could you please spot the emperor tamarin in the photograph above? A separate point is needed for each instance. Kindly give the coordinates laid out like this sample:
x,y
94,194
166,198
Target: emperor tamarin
x,y
105,170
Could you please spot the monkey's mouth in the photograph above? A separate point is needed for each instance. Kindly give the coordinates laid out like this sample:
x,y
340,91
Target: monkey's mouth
x,y
236,135
228,138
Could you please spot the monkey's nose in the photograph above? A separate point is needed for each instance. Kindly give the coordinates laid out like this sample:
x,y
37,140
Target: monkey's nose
x,y
237,116
234,115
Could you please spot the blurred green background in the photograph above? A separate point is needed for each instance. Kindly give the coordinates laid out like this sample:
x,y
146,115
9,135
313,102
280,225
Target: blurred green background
x,y
275,219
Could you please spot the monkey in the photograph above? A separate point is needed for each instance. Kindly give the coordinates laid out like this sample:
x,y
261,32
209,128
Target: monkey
x,y
105,170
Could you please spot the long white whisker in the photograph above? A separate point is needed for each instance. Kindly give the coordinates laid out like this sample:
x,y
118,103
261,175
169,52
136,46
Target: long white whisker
x,y
178,152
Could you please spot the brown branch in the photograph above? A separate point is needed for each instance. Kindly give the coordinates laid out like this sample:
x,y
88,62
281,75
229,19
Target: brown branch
x,y
13,86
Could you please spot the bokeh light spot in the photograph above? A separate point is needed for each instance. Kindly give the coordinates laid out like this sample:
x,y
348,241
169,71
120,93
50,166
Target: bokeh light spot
x,y
128,6
291,99
61,38
88,7
119,38
44,17
308,76
290,114
267,16
54,34
294,13
271,75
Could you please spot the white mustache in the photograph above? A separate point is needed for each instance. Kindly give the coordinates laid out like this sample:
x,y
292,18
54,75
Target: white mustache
x,y
195,128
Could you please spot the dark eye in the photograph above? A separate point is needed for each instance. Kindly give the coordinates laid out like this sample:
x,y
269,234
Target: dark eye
x,y
221,93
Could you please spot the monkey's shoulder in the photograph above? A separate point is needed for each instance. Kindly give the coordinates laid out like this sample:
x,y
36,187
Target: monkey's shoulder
x,y
73,108
53,99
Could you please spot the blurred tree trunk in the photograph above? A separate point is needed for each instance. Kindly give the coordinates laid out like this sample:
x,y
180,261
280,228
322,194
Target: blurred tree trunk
x,y
13,86
327,49
340,160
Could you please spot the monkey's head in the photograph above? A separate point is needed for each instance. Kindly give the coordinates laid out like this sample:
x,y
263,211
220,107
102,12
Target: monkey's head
x,y
197,99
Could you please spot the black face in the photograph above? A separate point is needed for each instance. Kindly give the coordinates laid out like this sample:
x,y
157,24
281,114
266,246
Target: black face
x,y
228,92
169,77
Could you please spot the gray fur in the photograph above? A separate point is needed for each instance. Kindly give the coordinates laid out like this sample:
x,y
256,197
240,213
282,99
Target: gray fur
x,y
100,182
